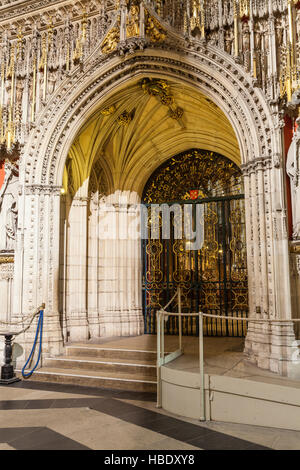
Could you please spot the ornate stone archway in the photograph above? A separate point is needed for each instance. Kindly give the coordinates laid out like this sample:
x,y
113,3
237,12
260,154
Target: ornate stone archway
x,y
259,136
214,74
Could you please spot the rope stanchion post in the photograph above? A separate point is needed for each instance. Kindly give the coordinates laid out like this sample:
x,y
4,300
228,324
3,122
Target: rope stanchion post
x,y
8,375
39,332
7,370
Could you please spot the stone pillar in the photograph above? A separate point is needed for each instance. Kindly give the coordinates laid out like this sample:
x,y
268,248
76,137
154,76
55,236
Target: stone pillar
x,y
93,267
120,305
269,346
103,275
36,278
76,295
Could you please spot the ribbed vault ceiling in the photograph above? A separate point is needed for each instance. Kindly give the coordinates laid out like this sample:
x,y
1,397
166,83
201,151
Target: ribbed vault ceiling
x,y
130,153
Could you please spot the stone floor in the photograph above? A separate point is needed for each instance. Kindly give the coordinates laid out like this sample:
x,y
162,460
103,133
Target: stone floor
x,y
40,416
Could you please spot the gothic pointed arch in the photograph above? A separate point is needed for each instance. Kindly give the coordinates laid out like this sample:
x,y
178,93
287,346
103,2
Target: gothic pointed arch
x,y
215,75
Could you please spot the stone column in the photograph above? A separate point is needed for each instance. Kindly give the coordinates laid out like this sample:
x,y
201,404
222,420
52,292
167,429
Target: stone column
x,y
76,295
270,346
92,270
120,306
36,277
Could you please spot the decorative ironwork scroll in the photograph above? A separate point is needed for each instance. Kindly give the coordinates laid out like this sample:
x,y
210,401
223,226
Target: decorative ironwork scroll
x,y
213,279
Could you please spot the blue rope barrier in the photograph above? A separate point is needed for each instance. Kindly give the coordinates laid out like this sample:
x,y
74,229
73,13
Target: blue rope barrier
x,y
39,331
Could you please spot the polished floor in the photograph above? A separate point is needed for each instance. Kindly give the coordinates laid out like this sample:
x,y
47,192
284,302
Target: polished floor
x,y
43,416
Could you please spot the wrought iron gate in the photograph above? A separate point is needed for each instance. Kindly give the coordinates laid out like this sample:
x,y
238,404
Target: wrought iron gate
x,y
213,279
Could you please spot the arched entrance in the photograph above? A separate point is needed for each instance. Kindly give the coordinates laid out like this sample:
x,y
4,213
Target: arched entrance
x,y
209,264
224,85
109,162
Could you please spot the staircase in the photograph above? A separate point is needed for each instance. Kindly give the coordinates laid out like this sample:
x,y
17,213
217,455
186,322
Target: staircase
x,y
103,366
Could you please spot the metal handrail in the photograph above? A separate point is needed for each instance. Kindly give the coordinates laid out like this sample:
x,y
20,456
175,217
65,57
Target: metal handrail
x,y
162,359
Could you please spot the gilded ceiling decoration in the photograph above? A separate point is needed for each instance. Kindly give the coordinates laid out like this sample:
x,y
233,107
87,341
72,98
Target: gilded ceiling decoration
x,y
161,89
108,110
125,118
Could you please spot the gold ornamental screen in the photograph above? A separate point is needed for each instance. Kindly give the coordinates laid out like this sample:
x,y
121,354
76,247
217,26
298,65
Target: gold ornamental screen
x,y
212,275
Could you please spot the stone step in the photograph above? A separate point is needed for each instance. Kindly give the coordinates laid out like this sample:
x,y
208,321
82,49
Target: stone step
x,y
88,378
105,364
111,353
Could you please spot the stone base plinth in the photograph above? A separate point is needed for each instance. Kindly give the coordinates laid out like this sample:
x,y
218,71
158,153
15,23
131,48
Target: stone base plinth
x,y
121,323
107,323
272,347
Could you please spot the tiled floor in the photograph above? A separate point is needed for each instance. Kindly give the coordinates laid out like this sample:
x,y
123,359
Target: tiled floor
x,y
51,416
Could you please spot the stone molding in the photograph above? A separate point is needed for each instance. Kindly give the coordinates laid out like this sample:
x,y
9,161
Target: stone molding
x,y
38,189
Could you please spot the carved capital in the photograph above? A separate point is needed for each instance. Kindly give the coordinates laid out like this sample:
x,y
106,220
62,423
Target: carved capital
x,y
6,271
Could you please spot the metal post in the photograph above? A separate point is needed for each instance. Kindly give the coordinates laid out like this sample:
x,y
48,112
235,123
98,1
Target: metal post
x,y
7,370
180,319
201,364
162,338
158,404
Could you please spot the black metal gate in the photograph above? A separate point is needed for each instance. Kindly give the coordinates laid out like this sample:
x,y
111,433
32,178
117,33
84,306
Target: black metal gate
x,y
213,278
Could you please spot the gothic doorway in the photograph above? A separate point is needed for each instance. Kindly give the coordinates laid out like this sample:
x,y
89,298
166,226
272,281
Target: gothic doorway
x,y
212,275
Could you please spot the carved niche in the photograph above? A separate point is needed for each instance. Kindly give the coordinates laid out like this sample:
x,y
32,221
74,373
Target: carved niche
x,y
9,208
